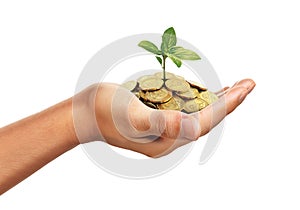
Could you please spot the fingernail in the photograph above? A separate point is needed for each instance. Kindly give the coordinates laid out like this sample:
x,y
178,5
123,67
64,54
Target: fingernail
x,y
189,127
243,95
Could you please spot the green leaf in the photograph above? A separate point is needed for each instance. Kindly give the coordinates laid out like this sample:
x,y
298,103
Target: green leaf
x,y
149,46
159,59
168,40
175,60
183,54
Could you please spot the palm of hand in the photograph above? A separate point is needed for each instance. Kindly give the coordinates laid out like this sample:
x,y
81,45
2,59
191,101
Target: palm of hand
x,y
126,122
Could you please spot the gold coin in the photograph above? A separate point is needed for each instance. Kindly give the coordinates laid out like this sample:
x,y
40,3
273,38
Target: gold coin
x,y
170,105
177,85
151,84
136,94
179,101
197,85
195,105
213,97
142,95
191,106
161,75
179,77
145,77
130,85
201,103
190,94
150,104
208,96
205,96
158,96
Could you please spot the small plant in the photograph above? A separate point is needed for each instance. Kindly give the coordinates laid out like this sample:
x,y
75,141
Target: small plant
x,y
169,49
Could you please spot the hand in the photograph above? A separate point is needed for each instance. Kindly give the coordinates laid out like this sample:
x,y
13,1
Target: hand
x,y
124,121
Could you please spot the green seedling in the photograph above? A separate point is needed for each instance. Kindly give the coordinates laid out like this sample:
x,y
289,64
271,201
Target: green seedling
x,y
168,49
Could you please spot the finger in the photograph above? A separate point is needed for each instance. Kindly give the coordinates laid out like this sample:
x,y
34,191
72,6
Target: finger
x,y
165,123
165,146
161,147
139,115
246,83
222,90
215,113
174,124
151,122
249,84
129,114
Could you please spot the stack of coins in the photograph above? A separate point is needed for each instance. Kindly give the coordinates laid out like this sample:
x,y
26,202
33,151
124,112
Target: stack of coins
x,y
173,94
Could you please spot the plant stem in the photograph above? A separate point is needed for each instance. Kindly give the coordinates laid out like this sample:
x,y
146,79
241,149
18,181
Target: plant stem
x,y
164,67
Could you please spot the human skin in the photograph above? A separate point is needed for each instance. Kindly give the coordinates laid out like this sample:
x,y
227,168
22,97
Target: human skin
x,y
29,144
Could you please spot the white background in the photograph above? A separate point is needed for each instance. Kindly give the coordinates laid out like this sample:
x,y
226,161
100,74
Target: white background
x,y
44,47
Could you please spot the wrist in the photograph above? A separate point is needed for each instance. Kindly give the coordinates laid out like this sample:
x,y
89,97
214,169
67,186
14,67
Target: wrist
x,y
83,112
66,108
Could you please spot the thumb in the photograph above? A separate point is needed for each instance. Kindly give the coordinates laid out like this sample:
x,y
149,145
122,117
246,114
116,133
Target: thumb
x,y
163,123
171,124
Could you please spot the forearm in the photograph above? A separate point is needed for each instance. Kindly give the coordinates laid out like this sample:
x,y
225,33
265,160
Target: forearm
x,y
29,144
